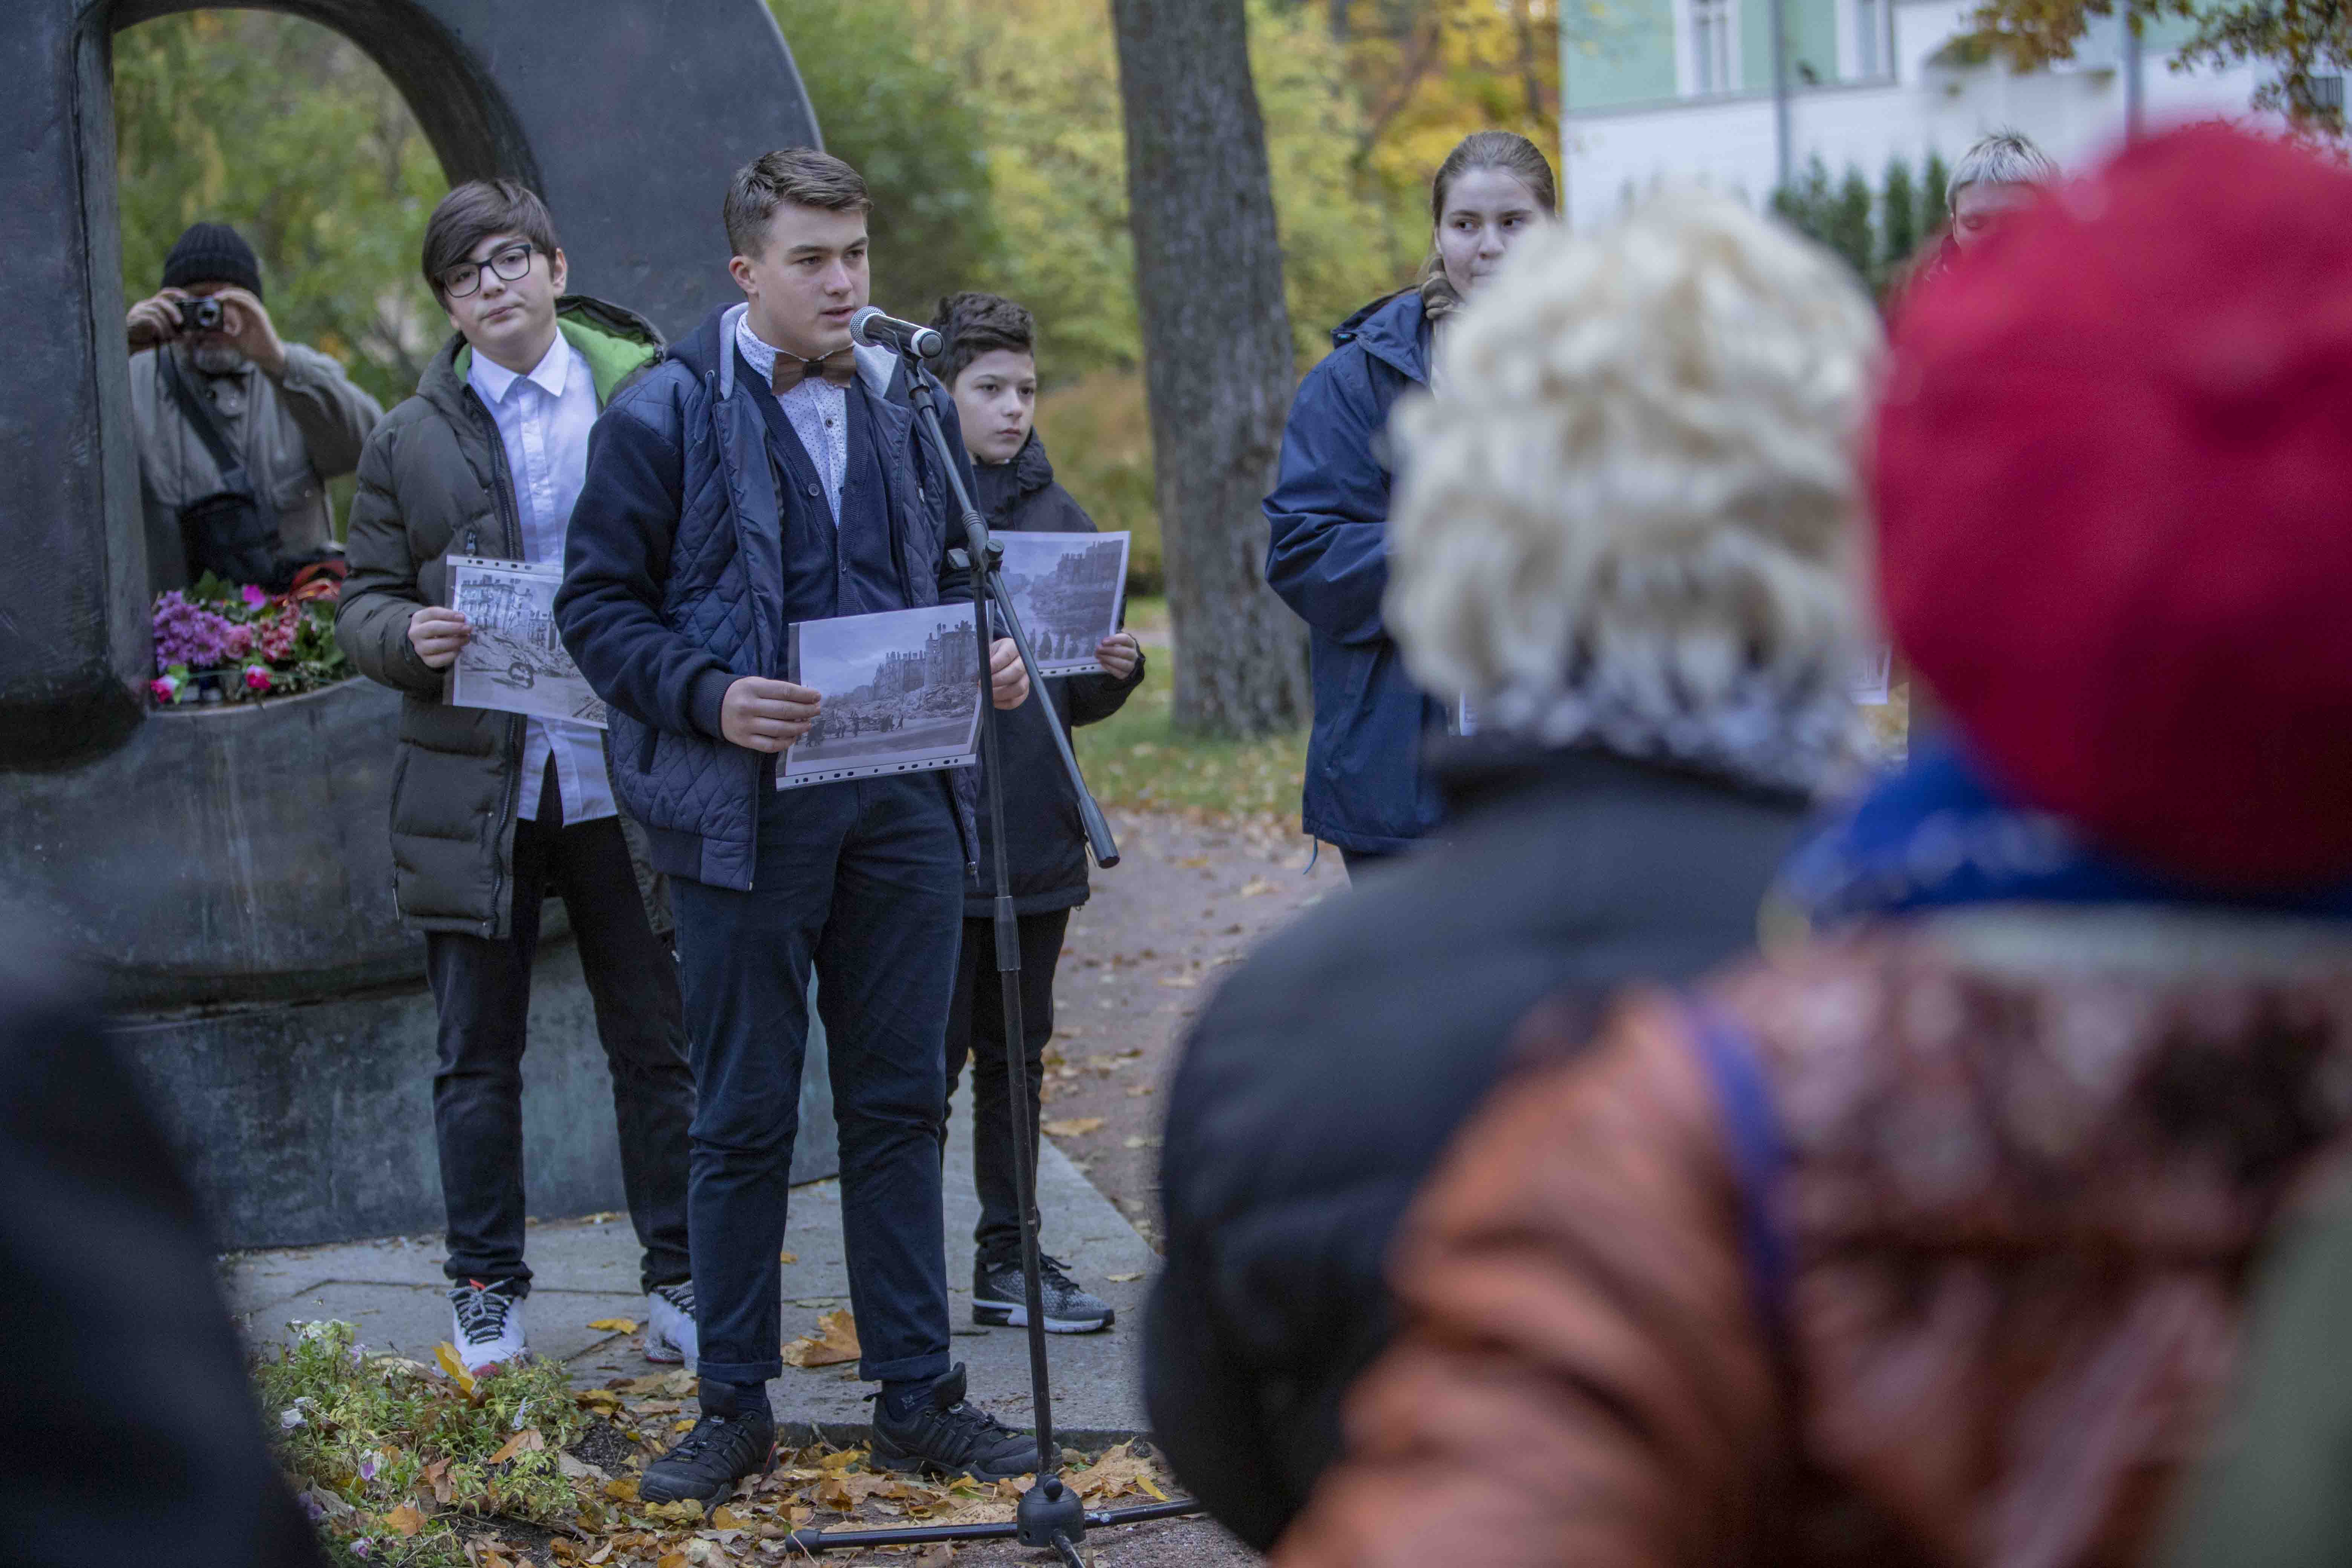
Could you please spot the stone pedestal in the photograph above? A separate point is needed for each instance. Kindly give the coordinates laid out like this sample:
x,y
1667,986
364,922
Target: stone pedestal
x,y
312,1122
228,872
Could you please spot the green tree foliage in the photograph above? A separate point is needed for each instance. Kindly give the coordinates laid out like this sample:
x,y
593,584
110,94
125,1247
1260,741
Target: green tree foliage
x,y
2293,41
2299,40
1935,180
1898,216
1044,80
287,130
906,122
1805,205
1877,232
1848,227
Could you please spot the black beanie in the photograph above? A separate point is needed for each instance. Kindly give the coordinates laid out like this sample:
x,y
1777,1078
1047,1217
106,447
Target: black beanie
x,y
213,253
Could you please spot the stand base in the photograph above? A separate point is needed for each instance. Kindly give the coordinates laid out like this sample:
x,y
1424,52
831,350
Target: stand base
x,y
1049,1509
815,1540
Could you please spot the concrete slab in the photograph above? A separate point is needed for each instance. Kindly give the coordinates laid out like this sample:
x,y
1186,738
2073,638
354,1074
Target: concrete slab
x,y
586,1269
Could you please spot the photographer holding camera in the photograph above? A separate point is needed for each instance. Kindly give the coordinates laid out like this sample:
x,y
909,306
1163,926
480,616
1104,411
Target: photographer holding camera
x,y
238,431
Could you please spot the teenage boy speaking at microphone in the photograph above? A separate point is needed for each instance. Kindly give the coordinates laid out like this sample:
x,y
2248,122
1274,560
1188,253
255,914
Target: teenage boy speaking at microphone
x,y
769,473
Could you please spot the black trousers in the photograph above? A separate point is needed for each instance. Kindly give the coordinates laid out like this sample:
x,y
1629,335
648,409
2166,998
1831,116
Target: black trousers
x,y
976,1028
482,987
862,881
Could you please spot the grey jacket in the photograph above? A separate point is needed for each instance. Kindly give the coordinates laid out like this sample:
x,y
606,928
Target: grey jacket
x,y
295,435
433,483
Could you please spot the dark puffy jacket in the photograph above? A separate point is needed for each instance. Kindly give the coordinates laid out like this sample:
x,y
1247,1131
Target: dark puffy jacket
x,y
1320,1086
673,585
1366,788
1044,843
433,482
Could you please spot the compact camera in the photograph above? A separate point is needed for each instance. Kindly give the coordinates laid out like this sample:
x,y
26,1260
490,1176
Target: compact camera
x,y
200,315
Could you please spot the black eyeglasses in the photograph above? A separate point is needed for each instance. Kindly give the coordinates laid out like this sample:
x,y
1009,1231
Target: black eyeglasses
x,y
509,263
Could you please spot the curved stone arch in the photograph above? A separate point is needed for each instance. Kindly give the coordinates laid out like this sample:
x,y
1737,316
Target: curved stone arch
x,y
624,121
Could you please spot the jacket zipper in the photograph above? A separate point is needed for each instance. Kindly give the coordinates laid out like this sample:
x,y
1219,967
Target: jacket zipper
x,y
502,492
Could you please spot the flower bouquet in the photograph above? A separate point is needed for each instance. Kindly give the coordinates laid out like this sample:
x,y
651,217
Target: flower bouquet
x,y
224,642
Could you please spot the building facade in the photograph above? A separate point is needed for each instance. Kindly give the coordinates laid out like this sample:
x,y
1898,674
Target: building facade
x,y
1659,91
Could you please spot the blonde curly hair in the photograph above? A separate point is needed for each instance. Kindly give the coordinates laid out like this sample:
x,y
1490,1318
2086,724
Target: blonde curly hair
x,y
1626,518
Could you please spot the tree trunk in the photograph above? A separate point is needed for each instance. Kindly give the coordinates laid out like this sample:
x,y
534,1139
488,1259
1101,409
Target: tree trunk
x,y
1216,349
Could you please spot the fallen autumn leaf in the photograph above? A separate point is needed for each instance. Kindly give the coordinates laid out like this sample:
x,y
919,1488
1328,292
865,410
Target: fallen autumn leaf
x,y
834,1342
447,1354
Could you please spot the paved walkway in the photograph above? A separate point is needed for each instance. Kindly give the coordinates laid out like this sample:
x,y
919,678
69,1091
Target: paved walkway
x,y
585,1270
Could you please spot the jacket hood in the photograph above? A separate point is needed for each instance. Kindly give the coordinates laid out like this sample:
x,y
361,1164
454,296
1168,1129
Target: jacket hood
x,y
699,350
1390,330
613,337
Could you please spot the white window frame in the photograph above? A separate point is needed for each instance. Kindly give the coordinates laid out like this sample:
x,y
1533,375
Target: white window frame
x,y
1706,47
1866,40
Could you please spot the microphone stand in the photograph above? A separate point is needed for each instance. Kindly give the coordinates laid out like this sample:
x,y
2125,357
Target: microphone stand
x,y
1049,1513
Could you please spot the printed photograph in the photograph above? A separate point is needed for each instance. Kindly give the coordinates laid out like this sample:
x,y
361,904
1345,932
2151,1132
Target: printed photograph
x,y
900,689
1068,589
515,661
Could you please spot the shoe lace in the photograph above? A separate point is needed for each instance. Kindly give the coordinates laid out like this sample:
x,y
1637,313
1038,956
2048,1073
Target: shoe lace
x,y
1054,1271
680,1296
482,1311
707,1431
970,1422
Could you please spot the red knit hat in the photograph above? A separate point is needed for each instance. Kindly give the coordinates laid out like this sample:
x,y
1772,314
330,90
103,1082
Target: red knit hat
x,y
2113,476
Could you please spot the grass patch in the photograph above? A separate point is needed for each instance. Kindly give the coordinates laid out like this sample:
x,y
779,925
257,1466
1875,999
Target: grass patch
x,y
398,1463
386,1452
1138,759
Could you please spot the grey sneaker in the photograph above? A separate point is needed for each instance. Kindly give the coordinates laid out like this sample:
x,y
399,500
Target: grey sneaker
x,y
999,1299
669,1324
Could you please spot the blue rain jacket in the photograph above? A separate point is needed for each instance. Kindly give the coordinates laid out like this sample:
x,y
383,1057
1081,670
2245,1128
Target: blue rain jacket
x,y
1366,788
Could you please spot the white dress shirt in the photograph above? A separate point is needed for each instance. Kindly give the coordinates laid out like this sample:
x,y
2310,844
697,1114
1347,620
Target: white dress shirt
x,y
544,420
819,412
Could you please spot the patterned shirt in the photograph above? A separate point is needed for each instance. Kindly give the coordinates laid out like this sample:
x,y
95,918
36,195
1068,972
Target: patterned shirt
x,y
818,410
544,420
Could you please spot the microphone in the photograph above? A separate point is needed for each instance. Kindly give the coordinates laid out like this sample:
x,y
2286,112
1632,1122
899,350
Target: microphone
x,y
872,329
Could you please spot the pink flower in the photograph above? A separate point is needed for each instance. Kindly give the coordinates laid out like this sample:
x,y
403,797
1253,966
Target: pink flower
x,y
164,691
256,677
254,595
275,637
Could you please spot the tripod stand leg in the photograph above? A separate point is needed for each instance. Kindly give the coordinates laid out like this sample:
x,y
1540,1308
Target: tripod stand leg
x,y
1025,1151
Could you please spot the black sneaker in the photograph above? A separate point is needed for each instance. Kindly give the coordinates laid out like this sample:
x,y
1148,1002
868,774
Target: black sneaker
x,y
999,1299
736,1437
945,1436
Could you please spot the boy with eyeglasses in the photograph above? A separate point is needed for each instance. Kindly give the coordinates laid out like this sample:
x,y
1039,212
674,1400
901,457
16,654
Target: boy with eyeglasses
x,y
491,812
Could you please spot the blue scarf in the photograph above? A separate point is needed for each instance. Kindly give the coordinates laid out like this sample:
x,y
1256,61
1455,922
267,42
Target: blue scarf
x,y
1937,835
